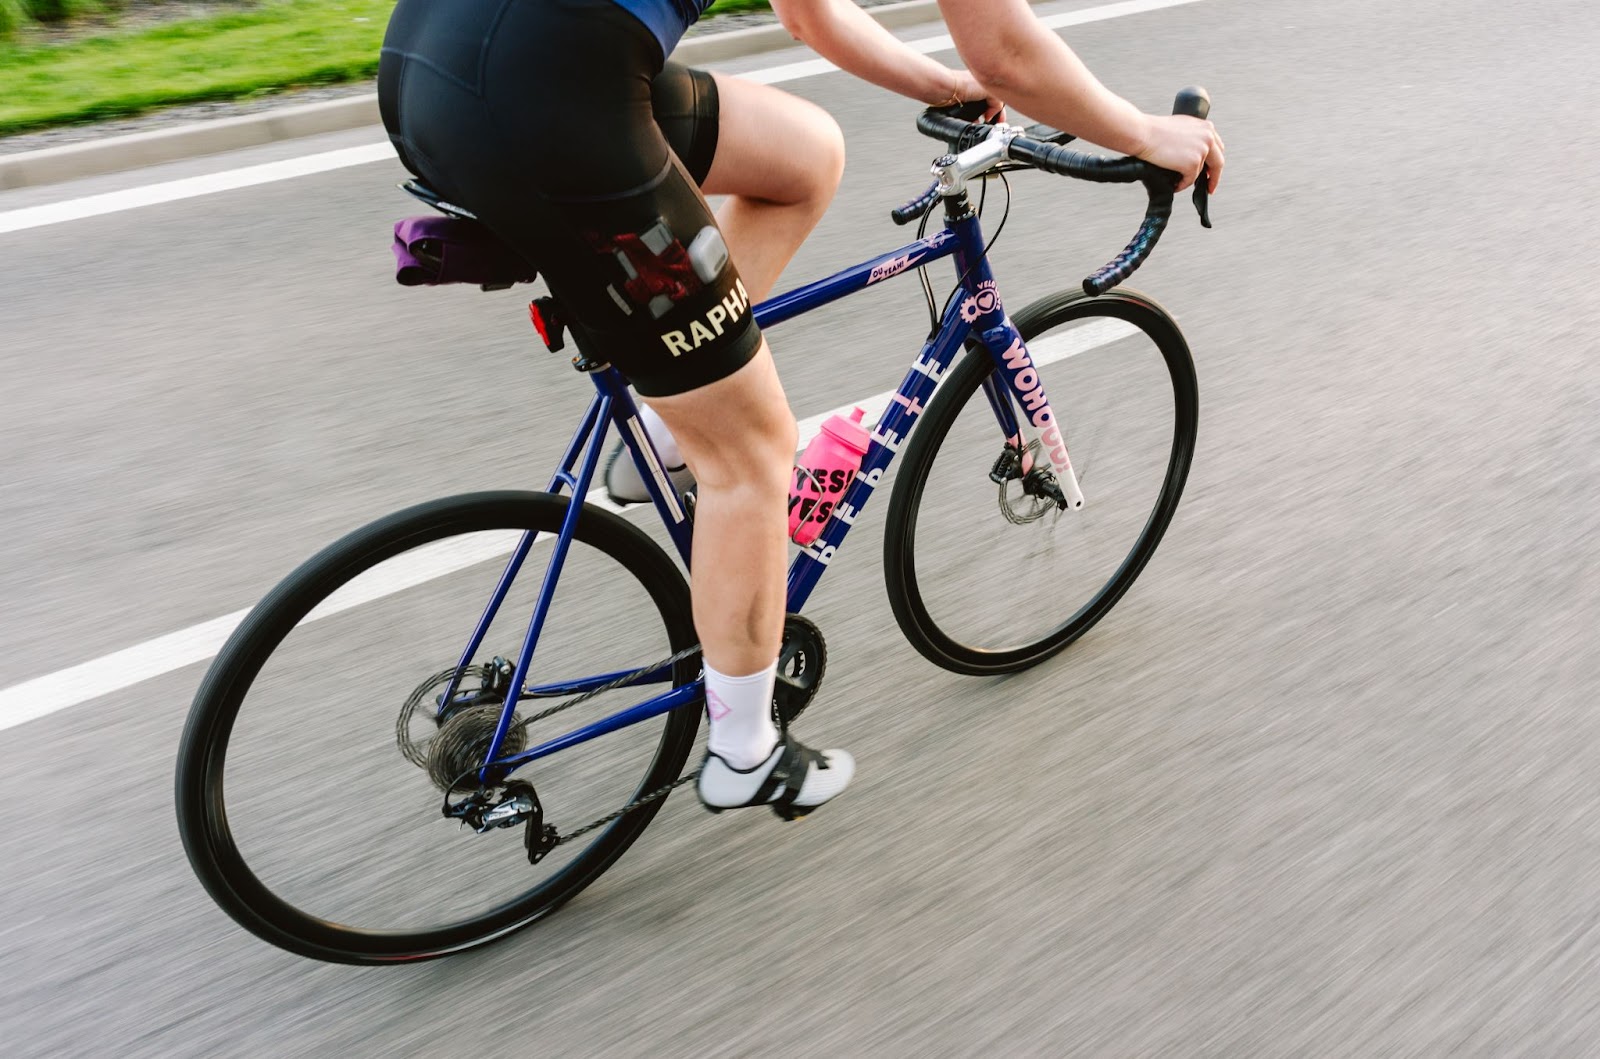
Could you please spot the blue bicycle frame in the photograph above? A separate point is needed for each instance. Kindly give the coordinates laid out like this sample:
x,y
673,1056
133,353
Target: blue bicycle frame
x,y
975,309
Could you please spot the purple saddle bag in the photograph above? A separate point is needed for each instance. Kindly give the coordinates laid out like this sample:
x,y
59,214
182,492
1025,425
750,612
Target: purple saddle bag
x,y
432,250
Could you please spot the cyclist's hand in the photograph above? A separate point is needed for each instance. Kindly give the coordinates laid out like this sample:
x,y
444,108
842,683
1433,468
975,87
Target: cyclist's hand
x,y
1185,146
967,89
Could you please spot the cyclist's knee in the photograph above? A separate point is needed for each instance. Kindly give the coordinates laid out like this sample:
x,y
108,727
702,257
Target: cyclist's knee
x,y
759,455
829,157
737,431
820,160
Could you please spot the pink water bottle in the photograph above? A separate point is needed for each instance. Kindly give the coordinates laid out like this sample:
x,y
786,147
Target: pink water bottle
x,y
826,468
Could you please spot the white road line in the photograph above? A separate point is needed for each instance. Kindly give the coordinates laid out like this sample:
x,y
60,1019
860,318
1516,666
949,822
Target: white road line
x,y
191,187
230,180
77,684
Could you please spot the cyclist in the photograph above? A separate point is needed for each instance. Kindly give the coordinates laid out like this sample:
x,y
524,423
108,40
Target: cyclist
x,y
564,127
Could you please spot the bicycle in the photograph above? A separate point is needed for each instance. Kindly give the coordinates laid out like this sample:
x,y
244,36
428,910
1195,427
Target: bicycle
x,y
461,727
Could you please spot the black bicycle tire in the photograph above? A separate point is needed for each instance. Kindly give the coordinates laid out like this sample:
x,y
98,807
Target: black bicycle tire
x,y
899,540
202,818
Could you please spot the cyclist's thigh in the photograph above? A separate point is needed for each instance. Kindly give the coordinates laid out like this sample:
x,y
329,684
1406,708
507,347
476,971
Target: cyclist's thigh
x,y
772,145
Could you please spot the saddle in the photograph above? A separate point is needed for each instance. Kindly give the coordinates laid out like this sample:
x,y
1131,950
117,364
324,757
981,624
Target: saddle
x,y
453,248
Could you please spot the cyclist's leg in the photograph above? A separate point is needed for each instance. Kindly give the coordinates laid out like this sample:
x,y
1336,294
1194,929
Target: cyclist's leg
x,y
779,159
738,435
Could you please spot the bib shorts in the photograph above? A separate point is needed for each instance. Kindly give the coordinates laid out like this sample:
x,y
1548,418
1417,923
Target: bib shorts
x,y
563,127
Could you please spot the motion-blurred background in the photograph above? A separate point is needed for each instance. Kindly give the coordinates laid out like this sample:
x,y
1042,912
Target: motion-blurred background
x,y
1322,784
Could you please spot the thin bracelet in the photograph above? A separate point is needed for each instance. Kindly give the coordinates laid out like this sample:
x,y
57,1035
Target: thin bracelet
x,y
955,94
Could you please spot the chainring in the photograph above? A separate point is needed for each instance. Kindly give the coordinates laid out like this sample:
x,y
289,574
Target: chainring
x,y
802,659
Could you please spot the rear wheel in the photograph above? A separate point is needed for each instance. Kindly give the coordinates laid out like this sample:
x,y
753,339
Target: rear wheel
x,y
987,578
311,773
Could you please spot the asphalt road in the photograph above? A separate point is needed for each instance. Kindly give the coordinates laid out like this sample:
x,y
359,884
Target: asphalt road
x,y
1323,784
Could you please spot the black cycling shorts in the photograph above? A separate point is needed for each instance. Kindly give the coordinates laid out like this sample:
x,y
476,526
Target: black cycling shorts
x,y
561,126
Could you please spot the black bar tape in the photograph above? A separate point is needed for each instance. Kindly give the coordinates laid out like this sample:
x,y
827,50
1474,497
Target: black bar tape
x,y
1064,161
916,207
1134,254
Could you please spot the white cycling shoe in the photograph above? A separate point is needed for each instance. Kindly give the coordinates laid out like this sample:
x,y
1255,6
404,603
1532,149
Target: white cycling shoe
x,y
625,486
793,780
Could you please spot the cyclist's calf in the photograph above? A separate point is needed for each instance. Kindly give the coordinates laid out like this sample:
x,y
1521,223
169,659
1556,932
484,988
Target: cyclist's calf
x,y
738,436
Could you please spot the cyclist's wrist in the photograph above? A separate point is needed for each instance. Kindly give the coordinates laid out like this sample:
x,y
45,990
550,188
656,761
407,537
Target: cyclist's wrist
x,y
1141,136
943,88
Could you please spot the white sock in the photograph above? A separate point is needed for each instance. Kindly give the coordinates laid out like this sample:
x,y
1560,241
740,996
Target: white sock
x,y
666,444
742,730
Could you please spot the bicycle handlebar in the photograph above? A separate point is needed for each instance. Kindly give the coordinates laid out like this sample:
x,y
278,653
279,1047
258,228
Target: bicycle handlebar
x,y
962,134
916,207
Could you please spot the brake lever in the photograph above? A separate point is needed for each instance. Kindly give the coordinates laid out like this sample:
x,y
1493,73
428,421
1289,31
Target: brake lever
x,y
1196,103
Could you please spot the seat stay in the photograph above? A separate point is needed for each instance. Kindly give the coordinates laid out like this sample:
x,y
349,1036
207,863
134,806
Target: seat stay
x,y
591,436
519,554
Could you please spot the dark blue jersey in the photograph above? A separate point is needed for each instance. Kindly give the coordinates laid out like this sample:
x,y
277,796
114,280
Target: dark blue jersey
x,y
667,19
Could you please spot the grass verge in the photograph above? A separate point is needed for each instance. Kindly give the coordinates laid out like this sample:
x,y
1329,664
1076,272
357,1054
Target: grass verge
x,y
280,44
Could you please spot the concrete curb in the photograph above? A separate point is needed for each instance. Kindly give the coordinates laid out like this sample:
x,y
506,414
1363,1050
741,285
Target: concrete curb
x,y
115,154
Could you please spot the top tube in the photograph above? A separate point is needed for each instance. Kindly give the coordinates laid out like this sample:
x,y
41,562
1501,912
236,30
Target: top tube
x,y
777,309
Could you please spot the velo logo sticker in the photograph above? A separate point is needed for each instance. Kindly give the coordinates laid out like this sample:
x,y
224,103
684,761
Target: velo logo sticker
x,y
985,301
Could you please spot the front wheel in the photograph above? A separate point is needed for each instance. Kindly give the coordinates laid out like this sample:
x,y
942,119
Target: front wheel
x,y
990,577
314,765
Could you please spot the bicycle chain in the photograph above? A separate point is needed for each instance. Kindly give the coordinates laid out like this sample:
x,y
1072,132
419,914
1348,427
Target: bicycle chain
x,y
638,803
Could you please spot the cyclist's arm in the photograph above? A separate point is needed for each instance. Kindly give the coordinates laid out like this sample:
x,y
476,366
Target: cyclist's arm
x,y
1014,56
846,36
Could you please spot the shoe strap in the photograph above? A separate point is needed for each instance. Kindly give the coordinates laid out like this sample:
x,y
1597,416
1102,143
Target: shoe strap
x,y
794,765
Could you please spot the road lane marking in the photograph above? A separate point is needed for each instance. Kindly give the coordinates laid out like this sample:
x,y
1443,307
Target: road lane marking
x,y
122,669
269,172
191,187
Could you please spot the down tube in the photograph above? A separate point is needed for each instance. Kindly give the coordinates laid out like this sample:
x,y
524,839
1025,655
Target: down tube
x,y
887,436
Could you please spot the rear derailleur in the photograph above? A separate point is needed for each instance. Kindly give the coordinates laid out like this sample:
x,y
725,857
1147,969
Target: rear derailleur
x,y
503,805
